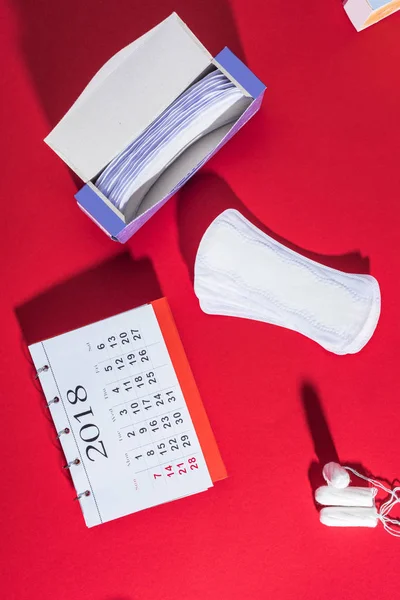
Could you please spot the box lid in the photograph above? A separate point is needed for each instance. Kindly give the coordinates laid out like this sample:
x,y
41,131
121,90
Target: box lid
x,y
126,95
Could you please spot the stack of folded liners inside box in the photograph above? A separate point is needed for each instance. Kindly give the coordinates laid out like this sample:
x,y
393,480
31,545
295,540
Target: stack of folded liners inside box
x,y
210,103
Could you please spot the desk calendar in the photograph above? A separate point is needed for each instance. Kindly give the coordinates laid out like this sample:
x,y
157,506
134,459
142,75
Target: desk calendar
x,y
128,413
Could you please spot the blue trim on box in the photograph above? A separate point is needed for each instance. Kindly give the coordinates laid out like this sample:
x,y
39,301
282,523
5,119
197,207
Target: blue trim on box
x,y
99,210
375,4
234,66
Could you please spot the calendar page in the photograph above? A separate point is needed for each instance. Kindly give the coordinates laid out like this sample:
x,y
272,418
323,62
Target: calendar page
x,y
121,415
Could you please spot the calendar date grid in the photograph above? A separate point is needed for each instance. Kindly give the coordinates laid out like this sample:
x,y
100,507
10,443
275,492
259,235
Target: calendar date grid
x,y
168,462
172,451
167,424
124,341
161,469
179,469
136,361
138,373
154,423
118,341
149,406
143,346
130,356
157,452
138,382
159,391
126,379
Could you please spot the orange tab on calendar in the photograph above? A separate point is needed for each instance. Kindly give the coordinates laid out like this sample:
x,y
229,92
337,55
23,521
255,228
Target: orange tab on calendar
x,y
190,391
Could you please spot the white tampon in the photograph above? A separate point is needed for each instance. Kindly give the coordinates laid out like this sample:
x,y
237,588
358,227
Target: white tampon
x,y
351,496
337,516
335,475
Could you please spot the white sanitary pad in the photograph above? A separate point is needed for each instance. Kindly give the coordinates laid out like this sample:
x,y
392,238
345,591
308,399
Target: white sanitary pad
x,y
241,271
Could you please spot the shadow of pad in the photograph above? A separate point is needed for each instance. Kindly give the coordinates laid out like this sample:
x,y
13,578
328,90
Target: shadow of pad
x,y
207,195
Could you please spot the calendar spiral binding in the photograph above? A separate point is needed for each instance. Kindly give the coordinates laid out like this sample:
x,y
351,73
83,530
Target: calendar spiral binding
x,y
55,400
76,461
41,370
82,495
65,431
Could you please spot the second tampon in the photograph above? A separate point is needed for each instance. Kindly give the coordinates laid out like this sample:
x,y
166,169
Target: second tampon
x,y
350,496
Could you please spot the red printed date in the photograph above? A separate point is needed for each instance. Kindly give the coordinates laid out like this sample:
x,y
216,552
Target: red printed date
x,y
179,468
183,467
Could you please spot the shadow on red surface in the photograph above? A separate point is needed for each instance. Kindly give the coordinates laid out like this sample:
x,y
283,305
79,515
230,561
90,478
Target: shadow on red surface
x,y
205,196
116,285
324,446
65,43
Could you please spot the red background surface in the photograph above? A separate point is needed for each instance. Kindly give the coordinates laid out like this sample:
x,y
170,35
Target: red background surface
x,y
319,166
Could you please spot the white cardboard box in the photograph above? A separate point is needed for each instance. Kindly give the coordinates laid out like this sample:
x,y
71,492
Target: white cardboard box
x,y
363,13
125,96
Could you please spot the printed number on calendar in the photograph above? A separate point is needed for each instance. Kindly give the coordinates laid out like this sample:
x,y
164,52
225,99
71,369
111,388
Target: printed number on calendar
x,y
89,432
165,398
